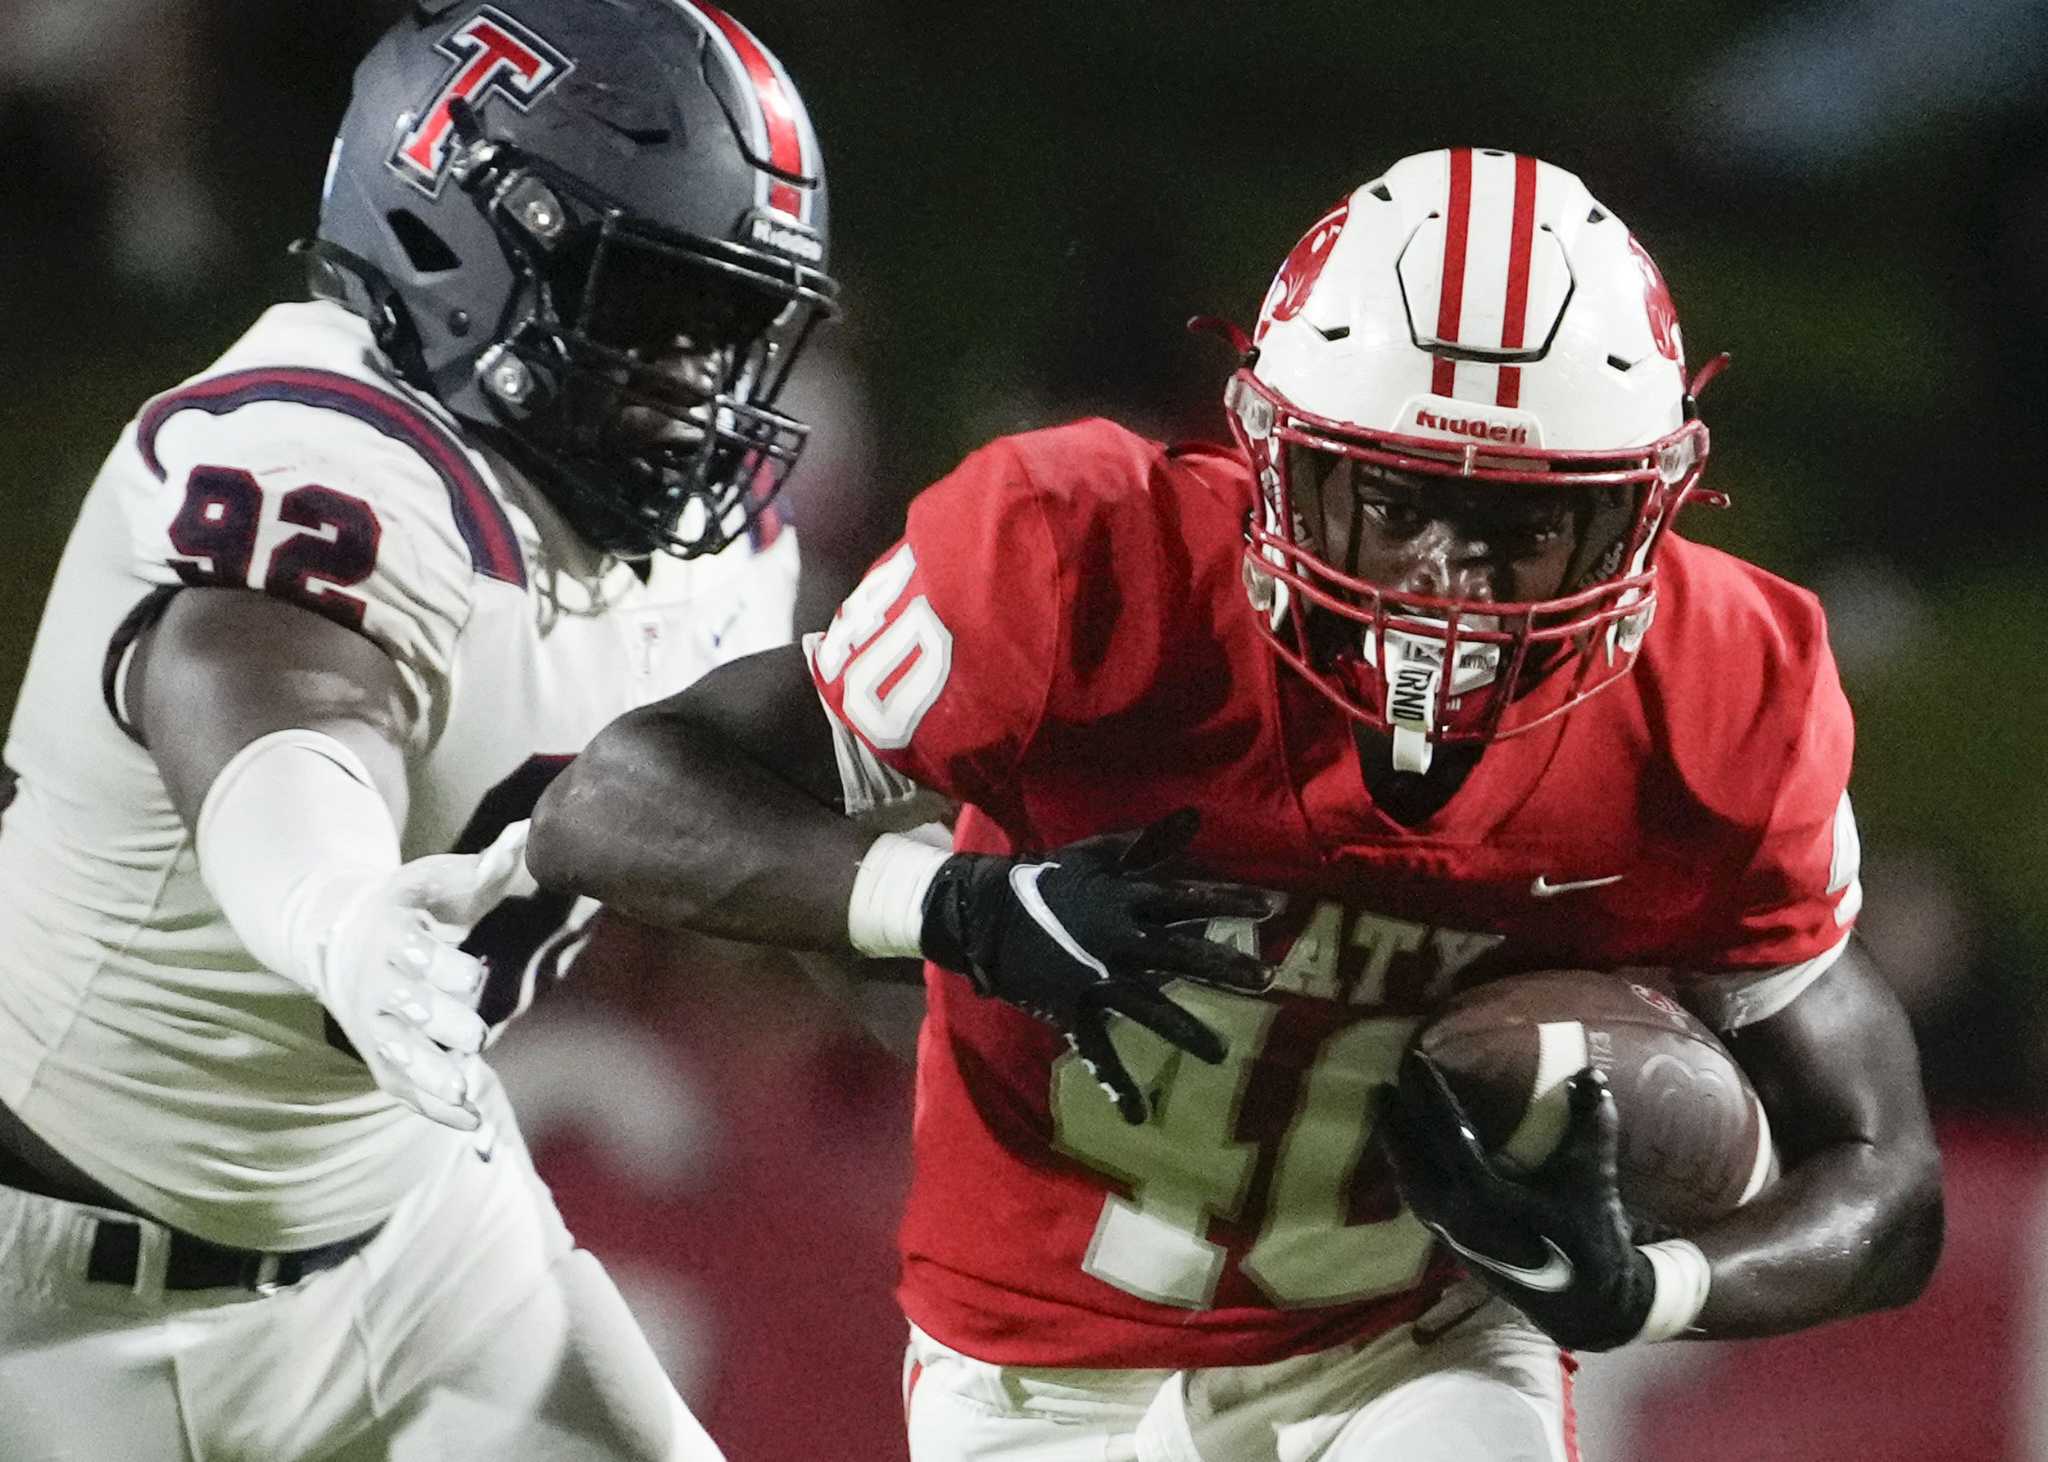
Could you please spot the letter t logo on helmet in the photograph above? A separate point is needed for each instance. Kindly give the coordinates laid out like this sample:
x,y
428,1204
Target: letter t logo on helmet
x,y
492,54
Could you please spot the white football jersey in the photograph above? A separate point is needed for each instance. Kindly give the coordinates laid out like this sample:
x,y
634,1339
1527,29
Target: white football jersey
x,y
136,1034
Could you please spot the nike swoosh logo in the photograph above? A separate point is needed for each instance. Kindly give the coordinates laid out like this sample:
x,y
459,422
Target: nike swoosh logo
x,y
1024,884
718,635
1543,888
1551,1276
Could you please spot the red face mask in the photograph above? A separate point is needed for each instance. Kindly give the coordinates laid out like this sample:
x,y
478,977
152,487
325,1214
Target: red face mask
x,y
1432,665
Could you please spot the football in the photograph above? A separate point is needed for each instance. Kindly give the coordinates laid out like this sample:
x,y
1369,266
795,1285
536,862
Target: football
x,y
1694,1139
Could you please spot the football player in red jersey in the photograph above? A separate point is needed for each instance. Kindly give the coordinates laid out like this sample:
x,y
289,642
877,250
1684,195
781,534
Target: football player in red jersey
x,y
1425,655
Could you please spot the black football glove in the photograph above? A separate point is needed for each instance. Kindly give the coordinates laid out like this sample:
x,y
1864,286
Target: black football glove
x,y
1091,928
1556,1244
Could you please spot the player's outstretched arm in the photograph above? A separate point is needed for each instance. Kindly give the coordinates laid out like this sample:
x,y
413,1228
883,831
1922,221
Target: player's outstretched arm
x,y
719,810
715,810
1854,1223
279,738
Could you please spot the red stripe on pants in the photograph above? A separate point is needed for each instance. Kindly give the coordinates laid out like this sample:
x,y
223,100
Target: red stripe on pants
x,y
1569,1365
910,1381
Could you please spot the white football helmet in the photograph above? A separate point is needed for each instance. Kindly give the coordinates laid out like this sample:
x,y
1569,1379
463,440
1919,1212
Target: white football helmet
x,y
1471,314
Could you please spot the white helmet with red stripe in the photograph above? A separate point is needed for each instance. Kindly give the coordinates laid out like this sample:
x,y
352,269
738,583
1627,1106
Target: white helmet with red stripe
x,y
1475,315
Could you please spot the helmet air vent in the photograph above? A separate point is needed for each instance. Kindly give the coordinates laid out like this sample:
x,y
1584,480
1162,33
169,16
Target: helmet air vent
x,y
637,135
1382,192
1619,364
426,250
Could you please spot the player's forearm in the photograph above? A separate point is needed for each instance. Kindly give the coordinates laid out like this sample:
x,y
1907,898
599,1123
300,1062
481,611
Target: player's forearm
x,y
1849,1229
667,820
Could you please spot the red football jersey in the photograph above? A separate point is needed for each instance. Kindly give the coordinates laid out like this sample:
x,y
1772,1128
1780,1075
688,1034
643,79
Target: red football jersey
x,y
1062,641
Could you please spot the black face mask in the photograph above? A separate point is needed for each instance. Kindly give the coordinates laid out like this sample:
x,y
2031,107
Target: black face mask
x,y
637,386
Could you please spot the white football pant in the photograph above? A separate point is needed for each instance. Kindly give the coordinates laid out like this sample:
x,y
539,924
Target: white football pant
x,y
1483,1388
470,1328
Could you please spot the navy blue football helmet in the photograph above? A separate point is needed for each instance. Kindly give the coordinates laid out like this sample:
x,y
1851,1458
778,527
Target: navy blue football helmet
x,y
594,230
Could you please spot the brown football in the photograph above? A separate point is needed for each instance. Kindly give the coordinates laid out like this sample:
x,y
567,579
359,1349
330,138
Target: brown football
x,y
1694,1139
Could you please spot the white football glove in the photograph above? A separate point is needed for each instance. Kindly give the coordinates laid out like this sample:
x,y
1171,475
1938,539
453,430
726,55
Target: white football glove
x,y
386,965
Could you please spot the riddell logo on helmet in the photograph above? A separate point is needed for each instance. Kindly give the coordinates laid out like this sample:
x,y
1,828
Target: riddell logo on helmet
x,y
773,232
1472,426
493,55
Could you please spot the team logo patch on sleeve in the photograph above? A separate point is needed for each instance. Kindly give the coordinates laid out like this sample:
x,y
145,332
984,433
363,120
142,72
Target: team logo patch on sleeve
x,y
492,54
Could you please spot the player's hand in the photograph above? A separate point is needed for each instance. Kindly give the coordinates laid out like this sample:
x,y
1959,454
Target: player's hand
x,y
1094,928
1556,1243
402,992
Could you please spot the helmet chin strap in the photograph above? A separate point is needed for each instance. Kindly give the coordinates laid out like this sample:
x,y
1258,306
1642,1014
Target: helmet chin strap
x,y
1413,673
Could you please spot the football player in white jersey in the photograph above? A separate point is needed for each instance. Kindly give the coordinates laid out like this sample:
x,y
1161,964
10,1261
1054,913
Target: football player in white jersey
x,y
334,612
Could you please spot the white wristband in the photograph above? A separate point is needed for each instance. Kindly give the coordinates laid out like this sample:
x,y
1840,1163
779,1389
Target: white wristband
x,y
1683,1275
885,917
